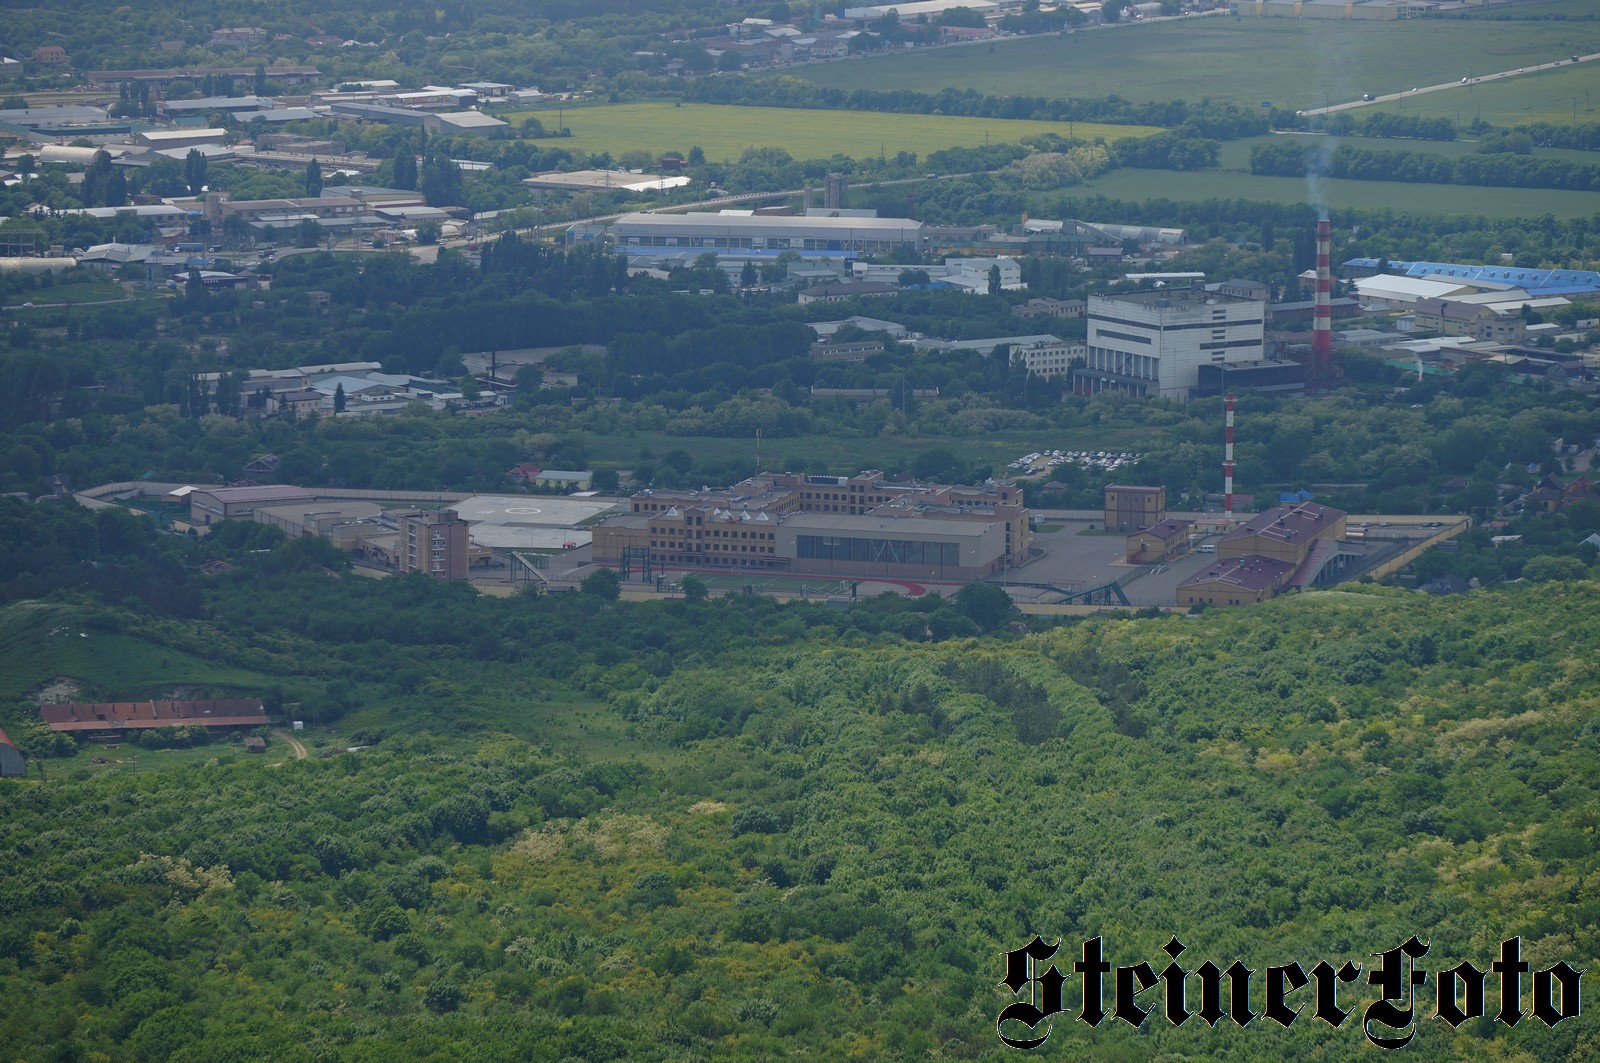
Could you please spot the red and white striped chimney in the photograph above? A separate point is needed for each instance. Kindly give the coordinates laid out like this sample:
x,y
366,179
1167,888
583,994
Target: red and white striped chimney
x,y
1227,465
1321,375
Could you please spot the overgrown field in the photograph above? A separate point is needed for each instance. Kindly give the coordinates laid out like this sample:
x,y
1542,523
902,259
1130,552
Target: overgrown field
x,y
723,133
1295,64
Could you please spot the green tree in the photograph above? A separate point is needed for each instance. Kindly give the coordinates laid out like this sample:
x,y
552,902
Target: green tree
x,y
194,171
694,589
405,168
602,583
313,179
985,604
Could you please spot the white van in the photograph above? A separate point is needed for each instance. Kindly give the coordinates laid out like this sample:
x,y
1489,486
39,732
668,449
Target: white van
x,y
1207,548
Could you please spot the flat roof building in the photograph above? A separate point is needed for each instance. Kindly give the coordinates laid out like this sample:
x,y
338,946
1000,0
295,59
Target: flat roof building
x,y
1129,508
845,526
1153,343
434,542
658,233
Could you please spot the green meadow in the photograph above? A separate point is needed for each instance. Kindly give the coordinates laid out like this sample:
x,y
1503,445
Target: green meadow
x,y
724,132
1292,63
40,642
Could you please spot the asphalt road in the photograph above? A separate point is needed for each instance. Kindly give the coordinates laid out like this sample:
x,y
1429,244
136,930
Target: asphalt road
x,y
1470,81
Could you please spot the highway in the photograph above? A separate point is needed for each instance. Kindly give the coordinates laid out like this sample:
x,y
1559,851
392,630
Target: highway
x,y
1471,80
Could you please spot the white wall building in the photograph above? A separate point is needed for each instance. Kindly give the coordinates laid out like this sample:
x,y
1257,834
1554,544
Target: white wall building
x,y
1153,343
1043,355
643,234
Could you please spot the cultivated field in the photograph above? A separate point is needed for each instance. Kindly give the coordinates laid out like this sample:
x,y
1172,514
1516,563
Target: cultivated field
x,y
723,132
1292,63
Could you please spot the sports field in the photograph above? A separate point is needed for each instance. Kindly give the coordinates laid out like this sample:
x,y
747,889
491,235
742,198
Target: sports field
x,y
724,132
1292,63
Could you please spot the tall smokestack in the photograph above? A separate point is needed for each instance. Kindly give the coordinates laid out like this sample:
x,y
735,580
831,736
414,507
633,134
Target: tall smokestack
x,y
1320,378
1227,465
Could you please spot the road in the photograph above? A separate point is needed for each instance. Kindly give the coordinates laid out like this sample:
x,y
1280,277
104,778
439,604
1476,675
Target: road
x,y
294,743
1468,83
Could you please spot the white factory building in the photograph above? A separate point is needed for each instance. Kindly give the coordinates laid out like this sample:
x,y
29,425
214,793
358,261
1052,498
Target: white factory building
x,y
1153,343
641,235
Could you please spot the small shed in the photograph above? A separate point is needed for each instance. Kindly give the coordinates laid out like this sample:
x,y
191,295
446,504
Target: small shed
x,y
12,766
255,744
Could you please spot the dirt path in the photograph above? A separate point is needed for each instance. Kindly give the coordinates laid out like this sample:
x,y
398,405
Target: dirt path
x,y
294,744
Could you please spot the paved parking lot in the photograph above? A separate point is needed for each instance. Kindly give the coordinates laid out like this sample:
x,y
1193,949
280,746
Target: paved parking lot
x,y
1081,555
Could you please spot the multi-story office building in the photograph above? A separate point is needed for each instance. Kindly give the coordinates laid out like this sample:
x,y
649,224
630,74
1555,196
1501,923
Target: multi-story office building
x,y
433,542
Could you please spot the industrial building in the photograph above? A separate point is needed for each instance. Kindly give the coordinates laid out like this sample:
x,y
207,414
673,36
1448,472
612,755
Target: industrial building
x,y
209,505
847,526
1153,343
641,234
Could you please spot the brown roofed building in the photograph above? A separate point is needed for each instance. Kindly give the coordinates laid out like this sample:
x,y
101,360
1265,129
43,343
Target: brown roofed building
x,y
1287,533
208,505
12,766
1235,581
116,718
1159,542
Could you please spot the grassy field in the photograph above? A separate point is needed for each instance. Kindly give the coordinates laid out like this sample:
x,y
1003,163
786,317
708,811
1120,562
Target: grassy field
x,y
1370,195
41,642
1293,63
723,133
68,293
